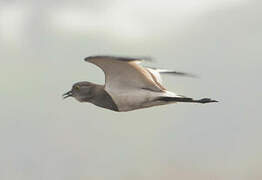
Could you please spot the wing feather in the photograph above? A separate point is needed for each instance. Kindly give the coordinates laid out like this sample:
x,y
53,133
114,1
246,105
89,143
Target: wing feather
x,y
123,73
172,72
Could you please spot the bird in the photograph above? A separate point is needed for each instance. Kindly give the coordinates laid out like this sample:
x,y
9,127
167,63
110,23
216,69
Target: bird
x,y
128,86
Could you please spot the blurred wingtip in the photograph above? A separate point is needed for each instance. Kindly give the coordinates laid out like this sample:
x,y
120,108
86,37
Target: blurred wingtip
x,y
145,58
124,58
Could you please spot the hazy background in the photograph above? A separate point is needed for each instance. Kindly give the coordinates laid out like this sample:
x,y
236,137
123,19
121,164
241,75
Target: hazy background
x,y
42,46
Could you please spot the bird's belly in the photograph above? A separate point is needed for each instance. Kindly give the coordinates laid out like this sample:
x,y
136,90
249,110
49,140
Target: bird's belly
x,y
135,99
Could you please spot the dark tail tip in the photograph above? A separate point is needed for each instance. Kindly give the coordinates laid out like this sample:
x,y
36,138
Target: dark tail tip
x,y
207,100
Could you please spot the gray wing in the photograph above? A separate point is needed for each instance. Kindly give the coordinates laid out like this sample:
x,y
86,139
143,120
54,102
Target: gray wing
x,y
117,58
123,73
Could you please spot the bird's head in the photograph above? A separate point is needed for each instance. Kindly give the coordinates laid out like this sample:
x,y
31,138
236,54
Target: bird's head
x,y
81,91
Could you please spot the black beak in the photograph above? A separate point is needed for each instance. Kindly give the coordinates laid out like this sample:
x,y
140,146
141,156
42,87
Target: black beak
x,y
68,94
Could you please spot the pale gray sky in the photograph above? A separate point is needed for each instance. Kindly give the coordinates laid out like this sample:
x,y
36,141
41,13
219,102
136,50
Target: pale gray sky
x,y
42,49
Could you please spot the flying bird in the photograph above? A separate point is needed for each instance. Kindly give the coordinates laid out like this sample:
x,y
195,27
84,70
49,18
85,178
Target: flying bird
x,y
128,86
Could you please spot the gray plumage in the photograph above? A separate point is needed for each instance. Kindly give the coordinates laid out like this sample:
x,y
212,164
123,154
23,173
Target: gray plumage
x,y
93,93
128,86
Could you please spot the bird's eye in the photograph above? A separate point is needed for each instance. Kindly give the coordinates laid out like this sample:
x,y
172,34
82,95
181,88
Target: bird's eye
x,y
77,87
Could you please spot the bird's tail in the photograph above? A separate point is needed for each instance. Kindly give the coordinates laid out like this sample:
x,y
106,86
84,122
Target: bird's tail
x,y
186,99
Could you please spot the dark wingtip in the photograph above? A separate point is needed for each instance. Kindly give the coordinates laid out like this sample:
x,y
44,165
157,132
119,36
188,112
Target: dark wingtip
x,y
189,75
